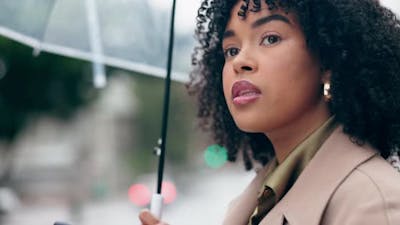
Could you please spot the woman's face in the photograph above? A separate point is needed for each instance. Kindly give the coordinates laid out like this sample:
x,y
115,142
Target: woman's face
x,y
270,79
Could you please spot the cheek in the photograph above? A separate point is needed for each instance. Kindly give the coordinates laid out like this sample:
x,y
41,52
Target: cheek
x,y
309,78
303,86
302,72
293,83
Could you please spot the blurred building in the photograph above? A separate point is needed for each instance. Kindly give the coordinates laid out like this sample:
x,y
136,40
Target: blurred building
x,y
67,163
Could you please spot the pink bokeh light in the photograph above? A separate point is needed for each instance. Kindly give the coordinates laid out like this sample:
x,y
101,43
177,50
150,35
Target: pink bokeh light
x,y
139,194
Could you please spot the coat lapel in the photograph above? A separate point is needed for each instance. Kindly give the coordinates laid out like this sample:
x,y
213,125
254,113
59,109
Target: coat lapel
x,y
241,208
307,199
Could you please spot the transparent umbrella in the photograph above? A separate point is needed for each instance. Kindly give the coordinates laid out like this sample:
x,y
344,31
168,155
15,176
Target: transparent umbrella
x,y
131,34
128,34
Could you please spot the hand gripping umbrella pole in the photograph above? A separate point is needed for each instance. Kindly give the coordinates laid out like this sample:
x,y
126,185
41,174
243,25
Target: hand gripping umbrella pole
x,y
157,200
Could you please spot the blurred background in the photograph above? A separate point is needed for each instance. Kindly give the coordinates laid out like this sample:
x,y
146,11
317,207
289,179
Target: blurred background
x,y
73,152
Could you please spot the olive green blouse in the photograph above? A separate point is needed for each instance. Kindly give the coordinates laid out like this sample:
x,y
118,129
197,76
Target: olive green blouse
x,y
283,175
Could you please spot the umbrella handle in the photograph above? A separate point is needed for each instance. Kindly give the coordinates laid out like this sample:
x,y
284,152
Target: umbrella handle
x,y
156,205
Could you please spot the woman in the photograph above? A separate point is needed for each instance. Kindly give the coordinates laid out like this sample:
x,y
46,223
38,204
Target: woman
x,y
310,90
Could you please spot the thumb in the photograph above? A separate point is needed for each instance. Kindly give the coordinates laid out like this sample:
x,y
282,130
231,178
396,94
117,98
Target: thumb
x,y
147,218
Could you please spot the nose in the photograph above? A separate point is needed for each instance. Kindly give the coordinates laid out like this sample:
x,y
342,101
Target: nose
x,y
244,62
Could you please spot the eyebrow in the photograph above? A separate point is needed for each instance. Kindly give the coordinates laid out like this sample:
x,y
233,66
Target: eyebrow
x,y
268,19
259,22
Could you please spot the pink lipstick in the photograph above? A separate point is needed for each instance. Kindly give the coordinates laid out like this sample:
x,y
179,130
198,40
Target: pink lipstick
x,y
244,92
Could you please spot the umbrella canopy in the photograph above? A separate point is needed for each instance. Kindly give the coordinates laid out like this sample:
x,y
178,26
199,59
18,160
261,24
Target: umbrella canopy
x,y
128,34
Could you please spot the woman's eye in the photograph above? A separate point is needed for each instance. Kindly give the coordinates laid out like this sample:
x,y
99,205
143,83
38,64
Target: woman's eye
x,y
270,40
230,52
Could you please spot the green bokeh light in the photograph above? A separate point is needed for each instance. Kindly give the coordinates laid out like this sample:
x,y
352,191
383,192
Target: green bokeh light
x,y
215,156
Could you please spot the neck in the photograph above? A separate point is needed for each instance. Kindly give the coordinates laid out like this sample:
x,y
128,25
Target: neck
x,y
286,138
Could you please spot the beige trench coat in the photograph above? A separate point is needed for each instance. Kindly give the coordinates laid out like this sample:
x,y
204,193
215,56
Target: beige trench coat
x,y
344,184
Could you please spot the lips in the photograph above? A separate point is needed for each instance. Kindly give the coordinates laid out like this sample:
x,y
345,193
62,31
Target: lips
x,y
244,92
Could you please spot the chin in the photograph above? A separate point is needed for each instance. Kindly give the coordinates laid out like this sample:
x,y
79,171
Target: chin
x,y
250,127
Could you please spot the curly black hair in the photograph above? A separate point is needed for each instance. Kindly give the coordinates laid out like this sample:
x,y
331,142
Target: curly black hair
x,y
357,40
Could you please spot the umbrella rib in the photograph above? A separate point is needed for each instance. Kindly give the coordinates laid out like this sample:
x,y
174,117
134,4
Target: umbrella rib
x,y
38,48
141,68
96,46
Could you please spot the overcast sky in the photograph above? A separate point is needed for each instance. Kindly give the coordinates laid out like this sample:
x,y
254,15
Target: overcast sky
x,y
393,4
185,11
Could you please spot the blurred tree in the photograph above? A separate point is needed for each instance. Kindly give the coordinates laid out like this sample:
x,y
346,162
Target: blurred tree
x,y
58,86
32,86
150,94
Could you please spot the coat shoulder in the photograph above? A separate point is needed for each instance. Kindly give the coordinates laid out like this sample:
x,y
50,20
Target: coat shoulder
x,y
370,194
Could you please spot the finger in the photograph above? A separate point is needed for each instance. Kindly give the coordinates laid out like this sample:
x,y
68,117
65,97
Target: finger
x,y
147,218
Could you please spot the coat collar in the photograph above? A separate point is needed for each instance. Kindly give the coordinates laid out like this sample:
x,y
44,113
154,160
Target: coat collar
x,y
335,160
307,199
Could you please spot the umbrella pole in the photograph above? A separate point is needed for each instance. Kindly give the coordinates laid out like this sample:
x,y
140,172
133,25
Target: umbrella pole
x,y
99,74
157,200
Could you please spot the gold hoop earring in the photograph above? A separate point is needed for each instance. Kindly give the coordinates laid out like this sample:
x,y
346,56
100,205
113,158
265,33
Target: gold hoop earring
x,y
327,91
